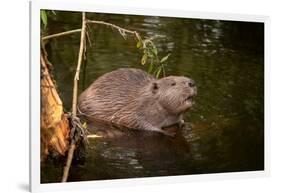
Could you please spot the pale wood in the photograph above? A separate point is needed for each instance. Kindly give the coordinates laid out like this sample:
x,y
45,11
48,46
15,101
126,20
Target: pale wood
x,y
60,34
54,124
75,94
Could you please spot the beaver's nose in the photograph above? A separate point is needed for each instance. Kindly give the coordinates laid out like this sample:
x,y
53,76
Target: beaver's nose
x,y
191,83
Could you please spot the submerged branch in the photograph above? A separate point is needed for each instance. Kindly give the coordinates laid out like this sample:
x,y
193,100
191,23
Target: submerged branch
x,y
61,34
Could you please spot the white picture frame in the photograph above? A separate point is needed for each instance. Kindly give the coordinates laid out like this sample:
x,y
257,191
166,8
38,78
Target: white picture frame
x,y
35,7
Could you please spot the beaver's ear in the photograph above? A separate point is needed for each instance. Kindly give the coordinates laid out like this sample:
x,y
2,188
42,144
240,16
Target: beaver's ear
x,y
155,87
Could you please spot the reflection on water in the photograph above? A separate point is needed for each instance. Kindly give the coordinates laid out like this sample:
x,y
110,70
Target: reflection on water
x,y
225,130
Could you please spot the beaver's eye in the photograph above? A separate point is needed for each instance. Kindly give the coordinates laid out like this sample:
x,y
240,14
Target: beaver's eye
x,y
173,84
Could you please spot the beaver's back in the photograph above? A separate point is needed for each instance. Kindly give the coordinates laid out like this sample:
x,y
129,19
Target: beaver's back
x,y
112,91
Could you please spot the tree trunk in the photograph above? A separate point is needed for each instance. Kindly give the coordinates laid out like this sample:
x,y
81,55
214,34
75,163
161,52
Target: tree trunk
x,y
54,123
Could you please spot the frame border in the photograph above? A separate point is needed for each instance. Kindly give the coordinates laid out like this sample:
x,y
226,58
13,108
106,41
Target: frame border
x,y
34,99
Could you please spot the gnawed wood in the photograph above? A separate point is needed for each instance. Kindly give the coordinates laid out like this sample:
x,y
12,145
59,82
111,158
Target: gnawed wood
x,y
54,123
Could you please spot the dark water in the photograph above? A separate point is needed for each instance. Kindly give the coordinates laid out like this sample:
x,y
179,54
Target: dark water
x,y
225,129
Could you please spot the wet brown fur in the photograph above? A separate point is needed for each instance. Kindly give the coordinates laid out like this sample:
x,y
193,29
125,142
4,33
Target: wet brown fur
x,y
132,98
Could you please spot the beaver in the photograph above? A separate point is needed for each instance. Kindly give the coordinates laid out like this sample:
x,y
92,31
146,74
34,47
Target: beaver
x,y
134,99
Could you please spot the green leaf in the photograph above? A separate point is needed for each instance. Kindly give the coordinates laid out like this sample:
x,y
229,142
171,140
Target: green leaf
x,y
139,44
44,17
154,50
149,54
143,59
158,72
84,125
165,58
150,68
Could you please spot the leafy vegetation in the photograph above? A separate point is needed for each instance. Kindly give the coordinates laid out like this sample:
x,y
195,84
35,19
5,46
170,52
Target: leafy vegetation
x,y
150,57
44,16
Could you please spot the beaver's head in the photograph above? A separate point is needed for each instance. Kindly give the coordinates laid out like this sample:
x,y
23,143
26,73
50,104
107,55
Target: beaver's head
x,y
175,93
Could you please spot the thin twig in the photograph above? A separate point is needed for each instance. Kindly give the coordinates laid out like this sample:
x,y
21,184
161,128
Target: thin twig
x,y
76,77
75,93
121,30
88,30
61,34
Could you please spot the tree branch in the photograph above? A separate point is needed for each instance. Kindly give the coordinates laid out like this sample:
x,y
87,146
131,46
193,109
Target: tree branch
x,y
80,57
74,99
121,30
61,34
